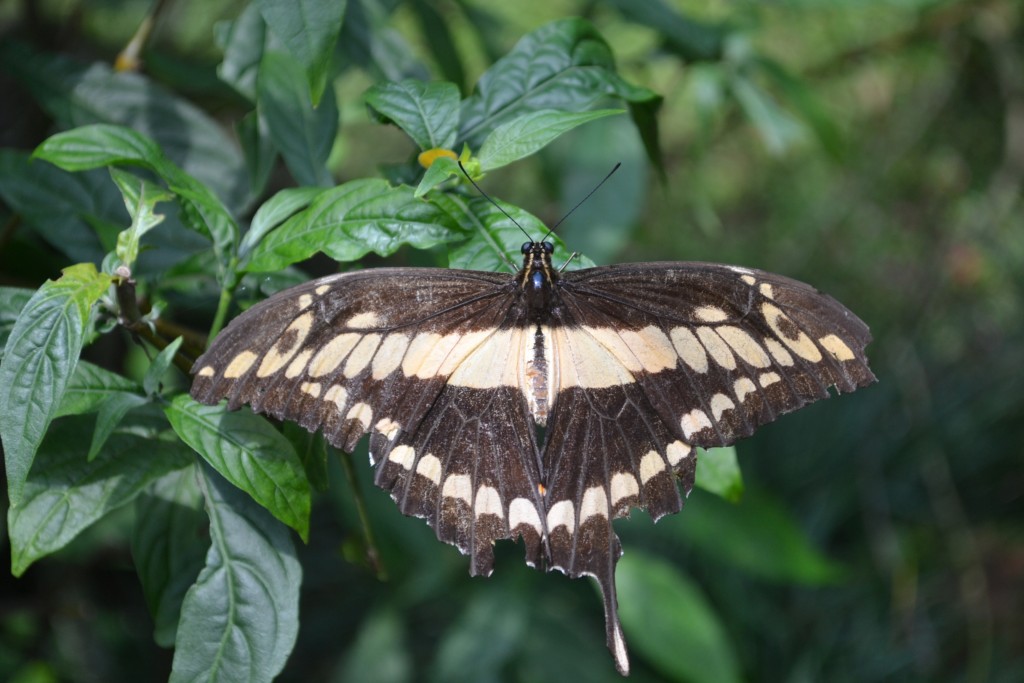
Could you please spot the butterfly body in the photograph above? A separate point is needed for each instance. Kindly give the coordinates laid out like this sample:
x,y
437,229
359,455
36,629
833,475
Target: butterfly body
x,y
626,368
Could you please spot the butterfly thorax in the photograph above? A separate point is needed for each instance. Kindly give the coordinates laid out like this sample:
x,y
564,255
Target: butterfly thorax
x,y
537,279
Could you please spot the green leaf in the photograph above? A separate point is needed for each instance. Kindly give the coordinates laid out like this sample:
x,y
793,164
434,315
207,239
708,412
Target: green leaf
x,y
380,652
58,206
274,211
435,31
529,133
105,145
369,40
312,451
779,130
77,94
304,134
348,221
261,154
427,112
242,42
440,170
168,546
109,414
39,359
250,453
669,622
494,239
801,96
309,29
692,40
140,199
564,65
65,493
12,300
158,368
240,619
89,386
718,471
758,536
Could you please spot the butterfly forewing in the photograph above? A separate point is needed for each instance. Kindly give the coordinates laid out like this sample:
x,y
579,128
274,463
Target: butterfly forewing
x,y
626,368
719,350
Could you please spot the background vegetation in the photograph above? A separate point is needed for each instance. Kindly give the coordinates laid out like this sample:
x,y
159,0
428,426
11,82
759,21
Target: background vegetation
x,y
873,148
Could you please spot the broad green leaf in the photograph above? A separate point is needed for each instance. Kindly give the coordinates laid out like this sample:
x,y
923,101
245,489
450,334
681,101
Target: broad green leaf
x,y
440,170
140,199
719,472
89,386
158,368
105,145
274,211
261,154
436,32
800,95
669,622
240,619
601,222
39,360
65,493
242,42
250,453
12,300
348,221
427,112
484,639
564,65
169,544
380,652
369,40
309,29
60,207
690,39
757,536
108,416
312,451
77,94
779,129
494,240
304,134
529,133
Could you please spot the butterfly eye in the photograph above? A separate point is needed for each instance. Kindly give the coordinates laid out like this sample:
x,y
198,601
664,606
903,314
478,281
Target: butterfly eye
x,y
548,247
527,246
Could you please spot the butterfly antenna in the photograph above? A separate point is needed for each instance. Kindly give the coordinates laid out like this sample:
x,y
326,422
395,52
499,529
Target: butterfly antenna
x,y
488,198
589,194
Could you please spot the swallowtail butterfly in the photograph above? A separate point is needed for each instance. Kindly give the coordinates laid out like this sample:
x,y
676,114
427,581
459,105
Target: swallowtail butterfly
x,y
541,405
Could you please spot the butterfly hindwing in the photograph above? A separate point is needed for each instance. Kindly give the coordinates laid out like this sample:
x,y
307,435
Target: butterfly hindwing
x,y
607,451
471,470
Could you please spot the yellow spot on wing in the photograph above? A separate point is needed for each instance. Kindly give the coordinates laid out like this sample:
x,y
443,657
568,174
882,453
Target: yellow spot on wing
x,y
690,349
333,352
837,347
239,364
363,320
716,347
710,314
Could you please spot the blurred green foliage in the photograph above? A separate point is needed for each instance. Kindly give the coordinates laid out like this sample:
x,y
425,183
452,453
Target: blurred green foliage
x,y
871,148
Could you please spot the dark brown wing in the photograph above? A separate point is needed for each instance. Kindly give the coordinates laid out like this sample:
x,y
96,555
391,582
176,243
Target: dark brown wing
x,y
655,359
373,351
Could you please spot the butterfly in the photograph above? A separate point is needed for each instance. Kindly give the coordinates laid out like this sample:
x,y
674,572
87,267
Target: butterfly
x,y
538,406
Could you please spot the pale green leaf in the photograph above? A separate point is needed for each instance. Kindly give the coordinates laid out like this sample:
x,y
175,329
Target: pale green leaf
x,y
240,619
250,453
39,359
